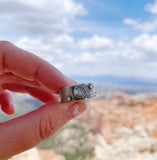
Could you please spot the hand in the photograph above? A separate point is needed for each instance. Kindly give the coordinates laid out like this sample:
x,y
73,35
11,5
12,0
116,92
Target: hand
x,y
21,71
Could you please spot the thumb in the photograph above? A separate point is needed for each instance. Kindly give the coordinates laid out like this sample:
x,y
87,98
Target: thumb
x,y
27,131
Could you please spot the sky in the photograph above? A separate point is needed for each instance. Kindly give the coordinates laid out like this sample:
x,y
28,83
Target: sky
x,y
86,37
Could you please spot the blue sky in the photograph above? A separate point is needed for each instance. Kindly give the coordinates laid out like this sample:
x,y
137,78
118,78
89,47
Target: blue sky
x,y
86,37
106,16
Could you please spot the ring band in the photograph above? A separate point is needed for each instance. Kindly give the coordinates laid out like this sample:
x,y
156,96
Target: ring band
x,y
77,92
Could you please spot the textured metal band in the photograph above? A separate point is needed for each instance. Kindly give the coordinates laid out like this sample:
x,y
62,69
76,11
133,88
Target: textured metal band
x,y
67,94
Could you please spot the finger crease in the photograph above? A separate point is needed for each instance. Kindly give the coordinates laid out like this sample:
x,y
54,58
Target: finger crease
x,y
36,73
9,77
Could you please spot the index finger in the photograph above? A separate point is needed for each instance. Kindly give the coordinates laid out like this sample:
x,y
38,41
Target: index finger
x,y
30,67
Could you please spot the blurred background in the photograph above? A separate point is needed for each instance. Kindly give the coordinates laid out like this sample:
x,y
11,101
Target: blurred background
x,y
108,42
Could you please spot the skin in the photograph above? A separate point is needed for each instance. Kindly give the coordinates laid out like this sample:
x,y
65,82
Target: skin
x,y
21,71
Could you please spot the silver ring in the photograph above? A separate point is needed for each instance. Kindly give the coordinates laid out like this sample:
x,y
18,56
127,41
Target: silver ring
x,y
77,92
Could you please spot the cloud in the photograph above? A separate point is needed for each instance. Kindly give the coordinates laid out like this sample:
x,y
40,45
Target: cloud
x,y
42,48
63,41
145,26
40,17
135,57
125,58
148,26
147,43
95,42
152,7
94,55
130,21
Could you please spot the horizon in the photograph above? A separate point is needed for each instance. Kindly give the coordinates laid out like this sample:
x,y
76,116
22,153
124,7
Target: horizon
x,y
115,80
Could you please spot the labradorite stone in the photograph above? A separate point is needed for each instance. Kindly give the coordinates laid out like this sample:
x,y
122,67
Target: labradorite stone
x,y
79,91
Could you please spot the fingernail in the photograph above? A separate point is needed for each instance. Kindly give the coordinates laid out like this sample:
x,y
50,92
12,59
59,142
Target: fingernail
x,y
75,109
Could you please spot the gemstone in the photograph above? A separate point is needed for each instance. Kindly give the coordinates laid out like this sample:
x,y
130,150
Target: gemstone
x,y
79,91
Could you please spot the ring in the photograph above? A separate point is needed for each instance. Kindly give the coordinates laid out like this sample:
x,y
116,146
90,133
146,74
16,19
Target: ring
x,y
77,92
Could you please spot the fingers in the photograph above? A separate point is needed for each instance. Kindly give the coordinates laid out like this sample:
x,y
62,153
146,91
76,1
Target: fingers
x,y
37,93
31,68
42,95
7,102
22,133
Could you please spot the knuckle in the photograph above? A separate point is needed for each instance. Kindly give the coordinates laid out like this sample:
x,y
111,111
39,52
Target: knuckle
x,y
46,128
3,44
3,49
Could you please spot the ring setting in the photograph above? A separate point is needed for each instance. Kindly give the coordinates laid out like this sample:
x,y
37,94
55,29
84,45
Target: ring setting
x,y
77,92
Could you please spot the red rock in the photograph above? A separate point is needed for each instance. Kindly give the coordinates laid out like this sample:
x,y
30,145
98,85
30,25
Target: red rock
x,y
104,116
